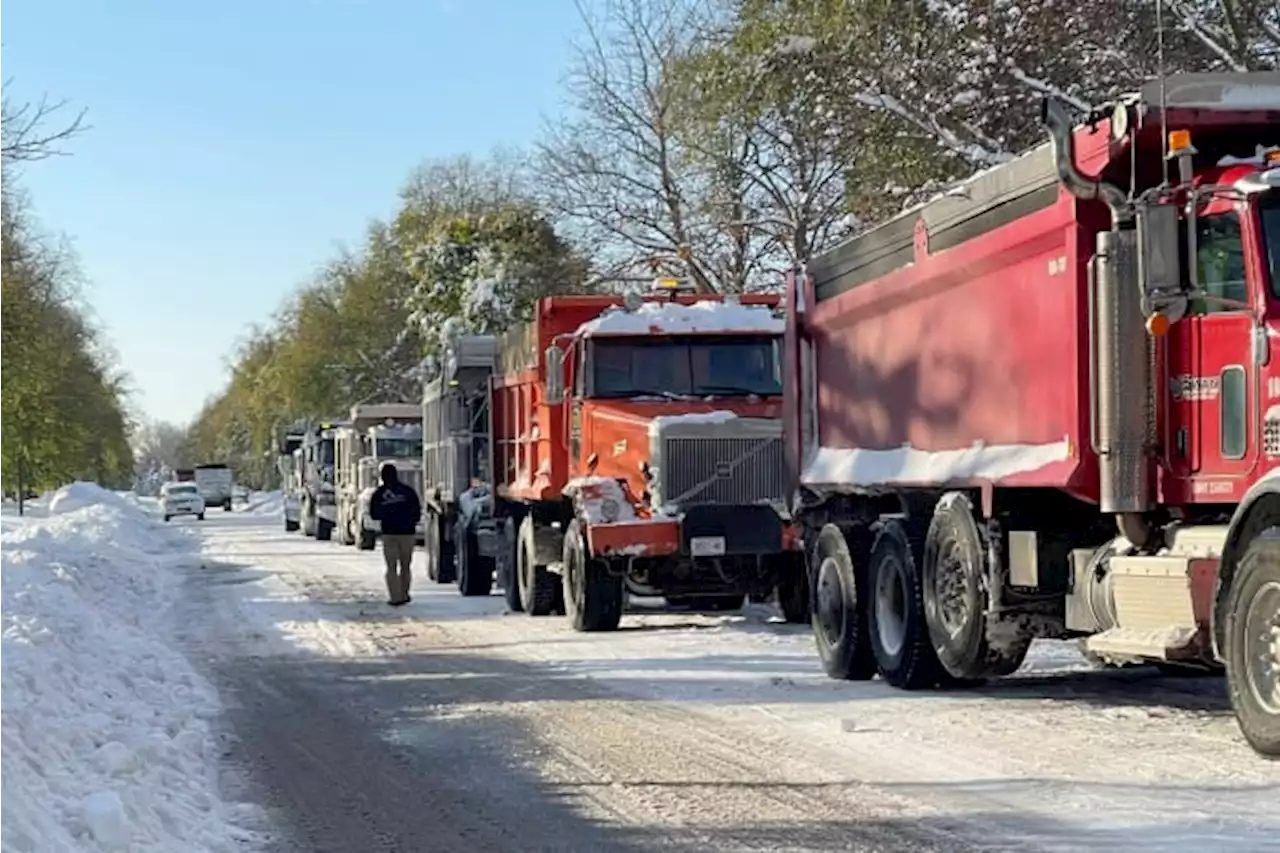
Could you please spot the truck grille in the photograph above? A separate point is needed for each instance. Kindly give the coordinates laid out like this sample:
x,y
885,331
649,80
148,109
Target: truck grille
x,y
412,477
715,470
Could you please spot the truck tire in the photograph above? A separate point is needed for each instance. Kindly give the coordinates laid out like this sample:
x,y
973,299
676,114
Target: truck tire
x,y
440,567
1253,643
593,596
839,616
793,589
324,529
366,540
506,568
290,526
200,517
226,506
954,574
540,589
899,632
475,573
167,517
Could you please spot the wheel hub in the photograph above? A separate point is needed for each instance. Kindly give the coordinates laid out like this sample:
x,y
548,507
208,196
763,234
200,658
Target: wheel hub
x,y
1262,646
951,586
891,606
830,601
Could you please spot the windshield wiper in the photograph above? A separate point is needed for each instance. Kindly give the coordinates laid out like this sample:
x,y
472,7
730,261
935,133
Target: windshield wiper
x,y
670,395
734,389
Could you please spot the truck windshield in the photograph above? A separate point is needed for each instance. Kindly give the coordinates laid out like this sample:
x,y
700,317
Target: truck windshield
x,y
1271,237
698,366
326,452
398,448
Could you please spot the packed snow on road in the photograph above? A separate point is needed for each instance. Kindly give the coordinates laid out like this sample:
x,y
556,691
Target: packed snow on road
x,y
108,742
159,678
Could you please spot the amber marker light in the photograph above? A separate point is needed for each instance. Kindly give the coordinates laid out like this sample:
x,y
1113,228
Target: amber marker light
x,y
1158,325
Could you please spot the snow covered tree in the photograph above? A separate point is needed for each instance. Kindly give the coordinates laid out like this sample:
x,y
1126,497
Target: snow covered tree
x,y
488,270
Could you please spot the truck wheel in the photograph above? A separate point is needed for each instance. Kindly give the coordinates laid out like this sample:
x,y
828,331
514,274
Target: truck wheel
x,y
290,526
593,596
1253,643
897,626
324,529
793,589
475,573
167,517
839,618
955,598
200,517
539,588
433,546
226,507
506,568
367,538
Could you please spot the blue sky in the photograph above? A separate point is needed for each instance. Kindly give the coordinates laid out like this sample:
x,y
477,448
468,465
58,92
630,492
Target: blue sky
x,y
236,144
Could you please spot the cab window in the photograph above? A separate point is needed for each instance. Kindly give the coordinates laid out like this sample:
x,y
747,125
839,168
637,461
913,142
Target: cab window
x,y
1220,264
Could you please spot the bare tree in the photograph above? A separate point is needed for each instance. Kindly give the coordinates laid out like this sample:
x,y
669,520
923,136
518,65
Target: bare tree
x,y
617,173
25,128
1239,35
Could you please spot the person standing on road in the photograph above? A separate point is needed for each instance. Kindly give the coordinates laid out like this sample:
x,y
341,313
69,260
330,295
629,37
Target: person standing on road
x,y
398,509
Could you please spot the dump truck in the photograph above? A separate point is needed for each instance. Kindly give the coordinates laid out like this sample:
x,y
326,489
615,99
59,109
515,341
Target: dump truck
x,y
1047,405
457,484
319,497
636,449
289,464
376,433
216,483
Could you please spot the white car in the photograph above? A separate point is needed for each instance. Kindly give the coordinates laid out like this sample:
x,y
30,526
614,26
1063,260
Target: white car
x,y
181,499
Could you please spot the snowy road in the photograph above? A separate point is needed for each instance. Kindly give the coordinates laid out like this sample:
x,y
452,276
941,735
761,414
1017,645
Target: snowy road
x,y
447,725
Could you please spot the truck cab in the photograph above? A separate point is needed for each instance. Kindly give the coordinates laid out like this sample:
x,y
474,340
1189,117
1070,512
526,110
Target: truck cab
x,y
289,466
319,494
376,434
644,456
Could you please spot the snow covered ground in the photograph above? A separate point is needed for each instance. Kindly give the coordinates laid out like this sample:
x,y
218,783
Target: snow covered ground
x,y
1059,757
107,735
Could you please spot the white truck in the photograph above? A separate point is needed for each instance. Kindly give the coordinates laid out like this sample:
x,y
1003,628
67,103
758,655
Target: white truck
x,y
216,484
289,464
376,433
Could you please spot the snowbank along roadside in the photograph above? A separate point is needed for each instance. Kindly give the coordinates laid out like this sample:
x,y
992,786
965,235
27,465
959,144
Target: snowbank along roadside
x,y
106,729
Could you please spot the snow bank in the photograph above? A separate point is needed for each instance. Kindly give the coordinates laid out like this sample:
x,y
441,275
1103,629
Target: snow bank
x,y
106,734
265,503
77,496
672,318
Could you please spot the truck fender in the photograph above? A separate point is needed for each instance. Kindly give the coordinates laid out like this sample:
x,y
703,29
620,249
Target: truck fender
x,y
1259,505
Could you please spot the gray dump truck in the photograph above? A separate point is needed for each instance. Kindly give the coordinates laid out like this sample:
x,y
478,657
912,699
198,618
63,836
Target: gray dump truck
x,y
377,433
459,526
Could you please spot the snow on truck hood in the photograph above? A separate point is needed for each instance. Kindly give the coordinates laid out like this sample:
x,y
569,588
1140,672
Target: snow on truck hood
x,y
673,318
657,414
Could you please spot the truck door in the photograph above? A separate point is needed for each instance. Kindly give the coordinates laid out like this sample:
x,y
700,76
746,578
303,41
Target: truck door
x,y
1212,380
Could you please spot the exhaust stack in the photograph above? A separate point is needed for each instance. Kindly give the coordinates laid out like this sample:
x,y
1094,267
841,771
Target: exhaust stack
x,y
1119,353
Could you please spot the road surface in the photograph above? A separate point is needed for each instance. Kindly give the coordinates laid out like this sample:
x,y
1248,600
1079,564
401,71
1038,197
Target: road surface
x,y
449,725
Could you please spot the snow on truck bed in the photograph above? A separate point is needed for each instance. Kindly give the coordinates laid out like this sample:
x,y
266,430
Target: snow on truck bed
x,y
673,318
107,739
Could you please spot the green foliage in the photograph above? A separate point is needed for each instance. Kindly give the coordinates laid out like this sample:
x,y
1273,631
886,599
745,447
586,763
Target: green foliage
x,y
488,270
63,407
465,243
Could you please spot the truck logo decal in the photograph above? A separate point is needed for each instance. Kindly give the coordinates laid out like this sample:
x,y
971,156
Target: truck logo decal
x,y
1194,389
619,447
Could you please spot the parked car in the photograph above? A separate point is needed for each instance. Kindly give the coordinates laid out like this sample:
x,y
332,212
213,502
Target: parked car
x,y
181,499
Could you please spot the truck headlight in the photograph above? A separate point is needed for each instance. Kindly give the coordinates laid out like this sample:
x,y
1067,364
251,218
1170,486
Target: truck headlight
x,y
609,510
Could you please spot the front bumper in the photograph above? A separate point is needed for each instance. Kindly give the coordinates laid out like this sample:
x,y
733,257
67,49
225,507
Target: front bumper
x,y
705,531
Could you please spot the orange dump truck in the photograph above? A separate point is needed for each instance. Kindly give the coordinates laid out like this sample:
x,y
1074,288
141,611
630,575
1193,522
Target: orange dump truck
x,y
636,447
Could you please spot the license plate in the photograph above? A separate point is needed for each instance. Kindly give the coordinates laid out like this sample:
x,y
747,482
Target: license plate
x,y
707,546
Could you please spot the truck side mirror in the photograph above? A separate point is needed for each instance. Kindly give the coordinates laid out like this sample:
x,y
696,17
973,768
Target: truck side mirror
x,y
1159,261
555,374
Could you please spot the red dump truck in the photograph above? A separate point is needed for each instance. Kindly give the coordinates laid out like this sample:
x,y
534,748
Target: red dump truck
x,y
636,447
1047,404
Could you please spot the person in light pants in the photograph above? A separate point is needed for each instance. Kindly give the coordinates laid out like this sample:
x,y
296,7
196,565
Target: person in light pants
x,y
397,508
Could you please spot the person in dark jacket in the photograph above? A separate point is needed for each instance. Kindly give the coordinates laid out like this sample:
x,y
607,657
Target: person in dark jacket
x,y
398,509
